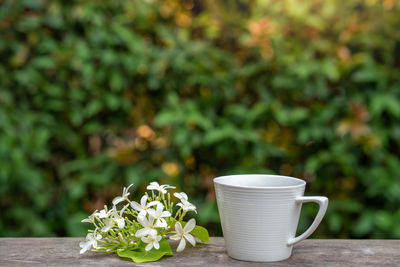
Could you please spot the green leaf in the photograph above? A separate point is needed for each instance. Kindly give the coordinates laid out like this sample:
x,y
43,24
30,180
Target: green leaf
x,y
201,233
141,255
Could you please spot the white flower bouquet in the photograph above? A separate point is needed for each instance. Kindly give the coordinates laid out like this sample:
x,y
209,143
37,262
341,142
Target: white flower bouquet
x,y
139,231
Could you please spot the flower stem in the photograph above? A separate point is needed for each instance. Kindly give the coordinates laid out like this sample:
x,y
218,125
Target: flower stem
x,y
178,213
182,215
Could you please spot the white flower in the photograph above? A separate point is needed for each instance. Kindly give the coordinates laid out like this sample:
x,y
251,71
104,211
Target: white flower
x,y
160,188
90,219
108,224
158,214
113,218
148,227
124,196
185,204
118,217
143,206
152,241
102,214
182,234
91,241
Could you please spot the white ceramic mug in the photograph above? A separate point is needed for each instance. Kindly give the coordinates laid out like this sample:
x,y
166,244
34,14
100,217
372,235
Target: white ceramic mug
x,y
259,215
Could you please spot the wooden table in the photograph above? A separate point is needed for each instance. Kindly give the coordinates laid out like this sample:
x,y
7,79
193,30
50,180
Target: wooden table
x,y
311,252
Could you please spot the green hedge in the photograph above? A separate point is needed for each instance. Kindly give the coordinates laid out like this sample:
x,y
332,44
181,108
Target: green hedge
x,y
98,94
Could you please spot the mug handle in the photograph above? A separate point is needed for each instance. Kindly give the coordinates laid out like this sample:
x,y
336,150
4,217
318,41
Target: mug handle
x,y
323,205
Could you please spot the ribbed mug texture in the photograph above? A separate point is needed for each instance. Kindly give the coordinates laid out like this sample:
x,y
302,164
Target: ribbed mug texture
x,y
258,222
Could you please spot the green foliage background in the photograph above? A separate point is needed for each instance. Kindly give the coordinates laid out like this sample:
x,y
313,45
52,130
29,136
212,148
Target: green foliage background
x,y
95,95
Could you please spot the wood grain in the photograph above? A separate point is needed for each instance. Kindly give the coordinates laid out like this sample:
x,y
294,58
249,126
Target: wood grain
x,y
312,252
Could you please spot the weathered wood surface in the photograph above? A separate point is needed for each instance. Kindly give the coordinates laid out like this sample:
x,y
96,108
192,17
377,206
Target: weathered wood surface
x,y
312,252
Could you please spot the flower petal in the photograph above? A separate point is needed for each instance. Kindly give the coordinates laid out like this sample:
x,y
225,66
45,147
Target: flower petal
x,y
120,222
145,239
151,220
160,223
108,225
117,200
142,214
101,214
152,212
106,228
165,214
153,186
82,244
85,246
181,195
149,246
152,232
190,238
178,195
160,208
152,203
178,228
156,245
127,189
189,226
142,232
143,200
143,221
136,206
164,222
181,245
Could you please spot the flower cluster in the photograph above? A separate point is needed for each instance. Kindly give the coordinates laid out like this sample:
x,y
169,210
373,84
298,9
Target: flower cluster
x,y
138,227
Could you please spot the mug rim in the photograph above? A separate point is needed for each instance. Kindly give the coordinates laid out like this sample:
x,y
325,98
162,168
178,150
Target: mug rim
x,y
301,182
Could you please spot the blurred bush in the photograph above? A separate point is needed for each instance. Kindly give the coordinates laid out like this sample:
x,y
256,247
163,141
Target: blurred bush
x,y
98,94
